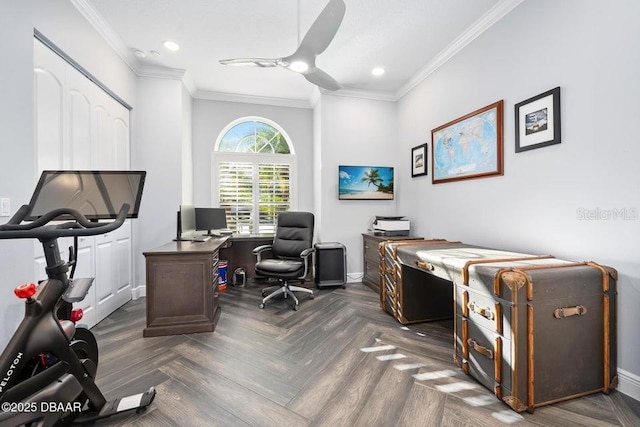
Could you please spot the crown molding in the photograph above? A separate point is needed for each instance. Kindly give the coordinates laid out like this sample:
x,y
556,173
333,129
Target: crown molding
x,y
107,33
188,82
250,99
493,15
362,94
315,97
160,72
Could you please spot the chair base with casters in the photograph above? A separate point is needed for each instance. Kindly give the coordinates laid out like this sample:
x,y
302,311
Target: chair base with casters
x,y
284,270
287,290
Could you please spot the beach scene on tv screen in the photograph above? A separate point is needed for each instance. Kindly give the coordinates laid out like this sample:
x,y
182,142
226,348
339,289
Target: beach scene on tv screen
x,y
365,183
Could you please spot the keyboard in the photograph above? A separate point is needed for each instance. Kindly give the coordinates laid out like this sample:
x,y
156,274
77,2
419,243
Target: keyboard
x,y
200,238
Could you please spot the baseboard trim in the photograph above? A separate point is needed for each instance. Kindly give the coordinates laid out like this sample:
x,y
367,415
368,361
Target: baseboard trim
x,y
139,292
629,384
355,277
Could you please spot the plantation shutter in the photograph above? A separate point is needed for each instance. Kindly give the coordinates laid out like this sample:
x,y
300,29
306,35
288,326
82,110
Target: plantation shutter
x,y
274,194
254,174
235,183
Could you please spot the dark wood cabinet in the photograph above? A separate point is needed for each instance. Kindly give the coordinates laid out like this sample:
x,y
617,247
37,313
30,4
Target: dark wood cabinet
x,y
371,257
182,288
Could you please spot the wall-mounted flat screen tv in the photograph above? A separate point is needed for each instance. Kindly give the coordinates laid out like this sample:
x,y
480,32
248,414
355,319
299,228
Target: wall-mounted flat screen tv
x,y
365,183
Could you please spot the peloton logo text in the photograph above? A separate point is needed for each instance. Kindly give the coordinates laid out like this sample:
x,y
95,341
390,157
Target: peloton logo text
x,y
10,372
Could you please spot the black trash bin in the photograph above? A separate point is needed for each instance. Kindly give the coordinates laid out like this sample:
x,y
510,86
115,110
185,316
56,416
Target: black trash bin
x,y
331,264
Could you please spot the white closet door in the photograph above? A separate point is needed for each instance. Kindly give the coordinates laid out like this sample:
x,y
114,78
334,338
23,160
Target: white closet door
x,y
79,126
49,94
48,87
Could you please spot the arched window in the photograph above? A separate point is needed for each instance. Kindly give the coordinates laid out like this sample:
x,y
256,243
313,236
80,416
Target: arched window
x,y
253,174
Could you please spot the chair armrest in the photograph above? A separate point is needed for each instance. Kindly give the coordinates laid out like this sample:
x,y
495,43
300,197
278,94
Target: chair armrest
x,y
259,249
307,252
305,255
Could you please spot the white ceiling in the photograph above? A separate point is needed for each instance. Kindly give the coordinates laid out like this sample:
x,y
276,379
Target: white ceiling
x,y
406,37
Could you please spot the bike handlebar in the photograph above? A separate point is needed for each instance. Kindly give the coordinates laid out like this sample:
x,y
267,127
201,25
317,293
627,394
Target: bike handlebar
x,y
38,229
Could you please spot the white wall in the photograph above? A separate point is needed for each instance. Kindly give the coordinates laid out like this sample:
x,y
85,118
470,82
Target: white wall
x,y
187,148
17,158
158,149
589,49
317,167
59,21
210,117
355,132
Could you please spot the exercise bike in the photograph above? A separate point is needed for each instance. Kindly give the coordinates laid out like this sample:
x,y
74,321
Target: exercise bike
x,y
47,369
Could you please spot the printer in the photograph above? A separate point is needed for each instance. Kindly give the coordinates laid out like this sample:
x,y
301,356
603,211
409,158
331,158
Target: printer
x,y
391,226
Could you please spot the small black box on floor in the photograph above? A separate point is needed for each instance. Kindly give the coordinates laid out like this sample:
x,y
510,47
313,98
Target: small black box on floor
x,y
331,264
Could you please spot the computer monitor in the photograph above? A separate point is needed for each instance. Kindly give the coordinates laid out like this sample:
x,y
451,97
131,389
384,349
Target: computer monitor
x,y
209,219
95,194
187,224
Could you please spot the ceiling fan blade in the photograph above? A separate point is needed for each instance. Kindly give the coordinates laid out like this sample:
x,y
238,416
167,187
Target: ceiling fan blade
x,y
318,77
251,62
323,29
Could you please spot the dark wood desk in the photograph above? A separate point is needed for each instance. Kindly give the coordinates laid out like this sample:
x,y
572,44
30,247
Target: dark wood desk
x,y
238,252
182,287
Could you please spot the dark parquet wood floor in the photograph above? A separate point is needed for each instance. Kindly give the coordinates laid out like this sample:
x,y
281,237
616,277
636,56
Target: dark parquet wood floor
x,y
338,361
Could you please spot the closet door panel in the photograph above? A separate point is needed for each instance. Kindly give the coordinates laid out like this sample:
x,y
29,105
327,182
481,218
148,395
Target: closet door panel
x,y
105,283
105,146
86,268
121,141
122,250
49,79
80,96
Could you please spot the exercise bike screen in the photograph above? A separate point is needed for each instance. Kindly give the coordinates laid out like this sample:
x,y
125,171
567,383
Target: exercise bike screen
x,y
95,194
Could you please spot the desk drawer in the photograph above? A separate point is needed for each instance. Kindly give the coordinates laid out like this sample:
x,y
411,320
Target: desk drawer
x,y
370,249
486,354
487,311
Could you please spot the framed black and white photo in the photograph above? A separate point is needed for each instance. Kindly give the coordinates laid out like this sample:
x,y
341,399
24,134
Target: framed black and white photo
x,y
419,160
538,121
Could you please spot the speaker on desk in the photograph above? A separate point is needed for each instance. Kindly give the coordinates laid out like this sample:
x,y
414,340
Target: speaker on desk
x,y
331,264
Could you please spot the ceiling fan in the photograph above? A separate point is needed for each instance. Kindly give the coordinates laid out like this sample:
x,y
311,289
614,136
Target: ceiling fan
x,y
303,60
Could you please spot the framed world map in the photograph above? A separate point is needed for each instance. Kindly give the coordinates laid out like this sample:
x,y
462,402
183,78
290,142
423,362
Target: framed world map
x,y
469,147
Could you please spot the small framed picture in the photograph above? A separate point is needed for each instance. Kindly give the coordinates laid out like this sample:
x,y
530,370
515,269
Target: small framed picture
x,y
419,160
538,121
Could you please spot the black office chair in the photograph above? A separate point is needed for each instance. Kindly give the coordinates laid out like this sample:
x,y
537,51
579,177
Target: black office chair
x,y
292,246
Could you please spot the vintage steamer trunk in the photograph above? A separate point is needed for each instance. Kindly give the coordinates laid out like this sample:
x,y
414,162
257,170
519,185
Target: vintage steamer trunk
x,y
534,329
408,294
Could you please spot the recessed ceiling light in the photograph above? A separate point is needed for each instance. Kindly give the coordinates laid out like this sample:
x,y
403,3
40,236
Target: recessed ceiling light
x,y
172,46
378,71
299,66
139,53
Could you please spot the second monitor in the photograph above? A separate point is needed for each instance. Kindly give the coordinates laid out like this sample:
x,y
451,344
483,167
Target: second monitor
x,y
209,219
